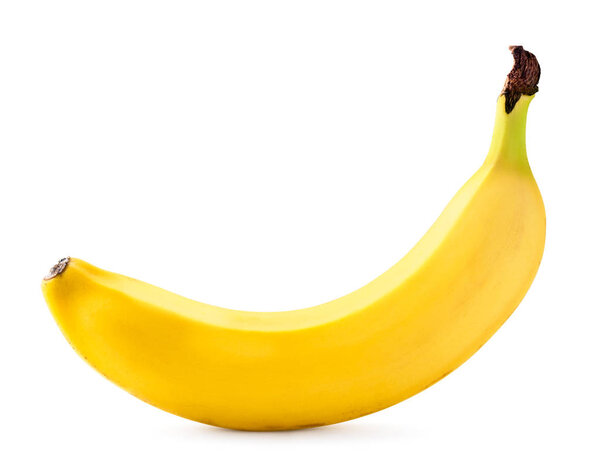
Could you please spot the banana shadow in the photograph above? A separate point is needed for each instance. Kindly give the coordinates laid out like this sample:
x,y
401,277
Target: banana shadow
x,y
345,431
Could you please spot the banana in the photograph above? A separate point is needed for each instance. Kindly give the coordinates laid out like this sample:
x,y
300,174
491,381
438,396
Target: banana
x,y
349,357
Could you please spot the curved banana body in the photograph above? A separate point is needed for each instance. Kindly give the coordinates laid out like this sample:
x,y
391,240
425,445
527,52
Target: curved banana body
x,y
333,362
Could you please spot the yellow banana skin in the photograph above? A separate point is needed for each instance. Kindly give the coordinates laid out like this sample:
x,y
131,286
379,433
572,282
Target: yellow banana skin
x,y
337,361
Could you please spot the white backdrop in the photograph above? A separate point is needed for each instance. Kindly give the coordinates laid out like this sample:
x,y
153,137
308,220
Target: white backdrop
x,y
269,155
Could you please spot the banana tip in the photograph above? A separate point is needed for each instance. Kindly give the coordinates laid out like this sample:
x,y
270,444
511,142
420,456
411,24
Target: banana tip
x,y
57,269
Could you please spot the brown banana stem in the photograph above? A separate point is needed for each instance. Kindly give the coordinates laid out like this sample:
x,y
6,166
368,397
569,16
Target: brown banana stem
x,y
522,79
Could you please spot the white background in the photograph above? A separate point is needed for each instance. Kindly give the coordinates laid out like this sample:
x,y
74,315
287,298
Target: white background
x,y
269,155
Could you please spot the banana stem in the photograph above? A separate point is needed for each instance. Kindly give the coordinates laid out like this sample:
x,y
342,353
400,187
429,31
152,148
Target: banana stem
x,y
508,140
522,79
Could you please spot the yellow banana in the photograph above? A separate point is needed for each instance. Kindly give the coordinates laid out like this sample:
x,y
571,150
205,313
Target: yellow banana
x,y
343,359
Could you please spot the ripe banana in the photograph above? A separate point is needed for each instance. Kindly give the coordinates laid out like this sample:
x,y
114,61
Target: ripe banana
x,y
343,359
